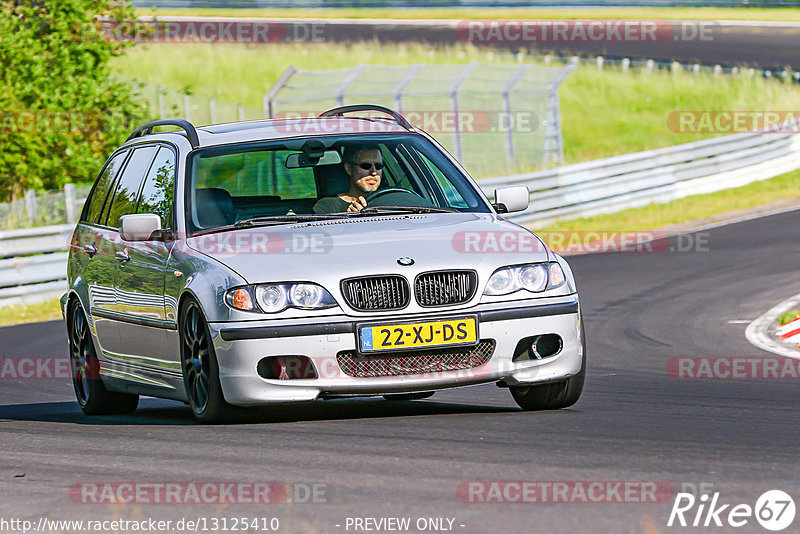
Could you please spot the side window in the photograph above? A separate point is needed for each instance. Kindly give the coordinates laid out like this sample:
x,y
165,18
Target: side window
x,y
157,191
94,205
127,188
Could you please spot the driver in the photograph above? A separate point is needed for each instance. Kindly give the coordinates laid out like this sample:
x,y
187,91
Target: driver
x,y
363,165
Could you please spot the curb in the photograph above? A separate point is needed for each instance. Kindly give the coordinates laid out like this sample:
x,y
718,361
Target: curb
x,y
764,334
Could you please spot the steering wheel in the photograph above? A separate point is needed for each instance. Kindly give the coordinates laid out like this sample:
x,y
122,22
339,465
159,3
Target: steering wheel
x,y
377,194
397,196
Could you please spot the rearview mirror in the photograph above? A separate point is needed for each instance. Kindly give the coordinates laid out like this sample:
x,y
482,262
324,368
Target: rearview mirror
x,y
512,198
300,159
139,227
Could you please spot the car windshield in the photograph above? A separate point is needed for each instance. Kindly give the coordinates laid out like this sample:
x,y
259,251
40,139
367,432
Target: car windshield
x,y
311,178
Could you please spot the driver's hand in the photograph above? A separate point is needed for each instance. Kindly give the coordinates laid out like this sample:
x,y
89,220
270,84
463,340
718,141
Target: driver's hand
x,y
357,205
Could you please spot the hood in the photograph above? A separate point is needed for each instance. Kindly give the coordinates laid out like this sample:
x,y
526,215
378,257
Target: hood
x,y
342,248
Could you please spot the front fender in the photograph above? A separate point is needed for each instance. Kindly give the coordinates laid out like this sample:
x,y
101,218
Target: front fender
x,y
206,280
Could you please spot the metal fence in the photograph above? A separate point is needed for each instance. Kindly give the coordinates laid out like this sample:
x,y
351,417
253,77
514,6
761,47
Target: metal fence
x,y
44,208
493,118
164,102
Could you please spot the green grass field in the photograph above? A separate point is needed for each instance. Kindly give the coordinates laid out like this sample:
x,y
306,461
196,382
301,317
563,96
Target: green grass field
x,y
666,13
48,310
604,113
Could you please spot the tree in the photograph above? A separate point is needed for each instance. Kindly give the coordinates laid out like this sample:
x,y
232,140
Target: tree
x,y
62,111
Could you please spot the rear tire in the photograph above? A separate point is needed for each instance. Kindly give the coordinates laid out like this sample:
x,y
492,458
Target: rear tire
x,y
555,395
200,368
408,396
90,391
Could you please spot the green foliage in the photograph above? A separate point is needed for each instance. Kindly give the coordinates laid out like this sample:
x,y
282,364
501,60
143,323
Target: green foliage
x,y
61,111
788,317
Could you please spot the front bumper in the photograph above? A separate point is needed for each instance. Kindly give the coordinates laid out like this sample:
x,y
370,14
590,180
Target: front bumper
x,y
240,346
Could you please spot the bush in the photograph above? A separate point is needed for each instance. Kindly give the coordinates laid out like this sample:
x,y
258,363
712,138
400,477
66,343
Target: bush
x,y
61,111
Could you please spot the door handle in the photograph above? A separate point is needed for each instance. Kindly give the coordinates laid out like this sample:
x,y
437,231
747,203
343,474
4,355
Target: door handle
x,y
122,256
90,249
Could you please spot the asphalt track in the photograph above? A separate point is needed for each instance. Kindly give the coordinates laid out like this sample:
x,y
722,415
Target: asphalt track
x,y
766,45
406,459
770,45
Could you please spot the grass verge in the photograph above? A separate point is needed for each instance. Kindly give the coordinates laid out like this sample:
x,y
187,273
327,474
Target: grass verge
x,y
48,310
604,112
708,207
668,13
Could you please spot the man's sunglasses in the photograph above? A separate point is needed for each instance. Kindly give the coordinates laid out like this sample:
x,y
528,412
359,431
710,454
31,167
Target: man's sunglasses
x,y
367,166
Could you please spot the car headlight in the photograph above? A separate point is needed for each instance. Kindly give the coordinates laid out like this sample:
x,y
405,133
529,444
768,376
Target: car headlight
x,y
273,298
535,278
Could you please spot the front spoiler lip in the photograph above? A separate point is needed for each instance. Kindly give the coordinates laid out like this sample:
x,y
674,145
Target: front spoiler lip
x,y
349,327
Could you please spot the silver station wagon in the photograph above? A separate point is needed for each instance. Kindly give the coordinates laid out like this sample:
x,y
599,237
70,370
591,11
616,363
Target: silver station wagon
x,y
279,261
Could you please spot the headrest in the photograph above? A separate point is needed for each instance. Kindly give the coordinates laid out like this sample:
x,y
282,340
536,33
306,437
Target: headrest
x,y
214,207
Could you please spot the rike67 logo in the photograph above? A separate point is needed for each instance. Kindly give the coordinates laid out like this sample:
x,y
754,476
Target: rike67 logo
x,y
774,510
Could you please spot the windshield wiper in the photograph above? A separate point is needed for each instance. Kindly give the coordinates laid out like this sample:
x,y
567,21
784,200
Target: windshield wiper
x,y
269,221
284,219
383,210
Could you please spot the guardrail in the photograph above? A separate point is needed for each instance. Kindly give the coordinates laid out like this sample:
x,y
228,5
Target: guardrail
x,y
35,267
634,180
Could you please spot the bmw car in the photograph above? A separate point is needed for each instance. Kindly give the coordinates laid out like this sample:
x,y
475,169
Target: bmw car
x,y
308,259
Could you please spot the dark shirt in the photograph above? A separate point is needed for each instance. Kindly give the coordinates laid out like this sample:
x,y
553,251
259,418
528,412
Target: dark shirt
x,y
331,205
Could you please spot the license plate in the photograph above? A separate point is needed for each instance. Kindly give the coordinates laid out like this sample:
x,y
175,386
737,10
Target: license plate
x,y
423,334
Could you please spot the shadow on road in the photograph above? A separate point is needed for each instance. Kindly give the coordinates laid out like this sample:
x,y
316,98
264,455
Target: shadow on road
x,y
159,412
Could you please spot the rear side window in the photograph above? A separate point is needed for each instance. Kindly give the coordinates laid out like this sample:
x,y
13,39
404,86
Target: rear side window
x,y
100,191
157,192
127,189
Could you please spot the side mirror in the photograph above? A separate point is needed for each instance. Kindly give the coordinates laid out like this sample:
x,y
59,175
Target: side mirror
x,y
512,198
139,227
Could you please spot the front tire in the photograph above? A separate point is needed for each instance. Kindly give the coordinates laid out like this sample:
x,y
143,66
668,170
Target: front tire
x,y
200,368
90,391
555,395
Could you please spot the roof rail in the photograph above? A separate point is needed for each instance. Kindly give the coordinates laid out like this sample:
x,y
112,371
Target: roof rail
x,y
188,127
399,119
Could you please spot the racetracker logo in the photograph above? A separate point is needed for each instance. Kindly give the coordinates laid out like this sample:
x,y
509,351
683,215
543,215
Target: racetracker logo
x,y
228,244
564,491
433,121
580,31
197,493
733,121
569,242
734,368
28,368
206,31
45,121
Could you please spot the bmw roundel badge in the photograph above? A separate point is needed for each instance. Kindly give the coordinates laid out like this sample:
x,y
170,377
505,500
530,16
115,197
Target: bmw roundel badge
x,y
405,260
